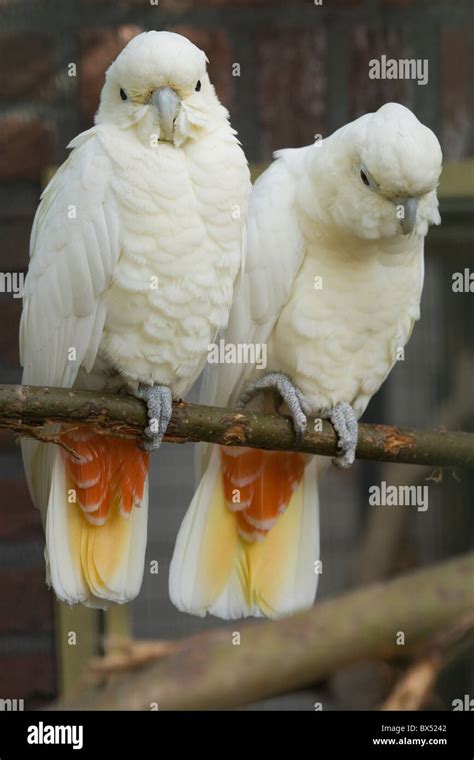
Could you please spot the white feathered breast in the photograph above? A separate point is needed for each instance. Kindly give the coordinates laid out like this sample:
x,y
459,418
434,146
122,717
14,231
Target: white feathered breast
x,y
182,213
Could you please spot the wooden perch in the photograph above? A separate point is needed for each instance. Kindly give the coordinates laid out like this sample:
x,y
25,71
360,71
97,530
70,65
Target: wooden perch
x,y
416,686
25,409
413,691
211,671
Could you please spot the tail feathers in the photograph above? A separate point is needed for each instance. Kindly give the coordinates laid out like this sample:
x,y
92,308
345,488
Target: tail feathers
x,y
38,461
104,470
231,566
96,557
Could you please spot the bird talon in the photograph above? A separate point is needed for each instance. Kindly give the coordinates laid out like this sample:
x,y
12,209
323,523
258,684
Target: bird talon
x,y
296,402
159,401
345,424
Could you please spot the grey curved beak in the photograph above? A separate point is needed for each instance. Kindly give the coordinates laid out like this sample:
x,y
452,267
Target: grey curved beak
x,y
167,103
410,208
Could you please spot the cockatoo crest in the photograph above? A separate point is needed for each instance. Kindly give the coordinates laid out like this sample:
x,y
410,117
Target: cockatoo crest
x,y
159,86
379,175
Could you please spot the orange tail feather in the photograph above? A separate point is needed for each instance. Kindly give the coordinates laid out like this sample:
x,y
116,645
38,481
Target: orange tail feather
x,y
258,486
105,472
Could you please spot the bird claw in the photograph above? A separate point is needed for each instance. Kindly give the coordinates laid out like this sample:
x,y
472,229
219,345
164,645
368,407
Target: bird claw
x,y
296,402
345,424
159,403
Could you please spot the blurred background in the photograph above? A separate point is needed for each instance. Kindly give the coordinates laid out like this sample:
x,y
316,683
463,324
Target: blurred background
x,y
303,69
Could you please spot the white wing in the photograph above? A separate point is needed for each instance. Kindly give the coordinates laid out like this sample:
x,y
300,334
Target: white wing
x,y
273,258
74,250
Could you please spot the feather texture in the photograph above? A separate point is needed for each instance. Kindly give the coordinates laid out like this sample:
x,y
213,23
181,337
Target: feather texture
x,y
332,287
135,248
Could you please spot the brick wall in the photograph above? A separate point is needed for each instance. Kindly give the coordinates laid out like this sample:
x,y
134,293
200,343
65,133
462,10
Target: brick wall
x,y
303,70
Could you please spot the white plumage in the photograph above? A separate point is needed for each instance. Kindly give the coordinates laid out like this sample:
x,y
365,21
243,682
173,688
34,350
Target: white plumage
x,y
333,287
134,252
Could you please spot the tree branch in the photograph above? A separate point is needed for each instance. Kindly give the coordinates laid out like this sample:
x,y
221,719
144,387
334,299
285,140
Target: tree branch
x,y
25,409
415,687
208,671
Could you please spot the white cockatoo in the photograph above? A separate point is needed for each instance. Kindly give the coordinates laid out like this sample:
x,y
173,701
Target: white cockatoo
x,y
332,287
135,248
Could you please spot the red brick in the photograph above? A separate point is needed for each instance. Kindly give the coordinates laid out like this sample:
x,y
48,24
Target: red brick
x,y
26,146
216,45
367,94
98,48
457,94
10,309
28,676
291,86
26,602
26,68
19,518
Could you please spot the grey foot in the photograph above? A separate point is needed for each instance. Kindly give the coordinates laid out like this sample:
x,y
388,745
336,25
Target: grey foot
x,y
345,424
159,402
297,404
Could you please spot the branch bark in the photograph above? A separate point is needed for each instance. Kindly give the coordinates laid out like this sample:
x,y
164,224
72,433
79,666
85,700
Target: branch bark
x,y
208,672
25,409
415,687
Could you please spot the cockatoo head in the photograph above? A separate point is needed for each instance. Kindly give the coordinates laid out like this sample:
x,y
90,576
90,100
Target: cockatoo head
x,y
391,164
159,86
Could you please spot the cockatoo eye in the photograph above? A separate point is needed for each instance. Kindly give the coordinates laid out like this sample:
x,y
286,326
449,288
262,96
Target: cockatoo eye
x,y
123,94
364,178
198,86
